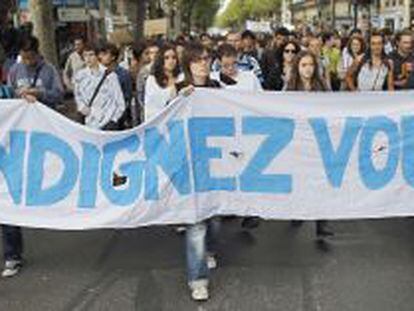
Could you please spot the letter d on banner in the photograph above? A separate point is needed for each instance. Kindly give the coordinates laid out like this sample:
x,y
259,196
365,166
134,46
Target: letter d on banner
x,y
40,145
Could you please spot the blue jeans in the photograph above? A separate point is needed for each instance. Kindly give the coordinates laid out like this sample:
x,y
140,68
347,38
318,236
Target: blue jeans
x,y
200,239
12,242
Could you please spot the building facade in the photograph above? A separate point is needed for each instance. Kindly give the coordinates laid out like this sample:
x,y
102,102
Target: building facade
x,y
322,12
391,14
395,14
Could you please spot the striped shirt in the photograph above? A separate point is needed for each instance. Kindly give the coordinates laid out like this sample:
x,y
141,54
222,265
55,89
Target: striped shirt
x,y
372,78
109,103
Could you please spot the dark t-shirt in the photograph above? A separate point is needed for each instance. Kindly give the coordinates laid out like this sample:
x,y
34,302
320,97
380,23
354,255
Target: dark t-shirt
x,y
210,84
398,62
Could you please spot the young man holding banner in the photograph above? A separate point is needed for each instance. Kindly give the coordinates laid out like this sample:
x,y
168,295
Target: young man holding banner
x,y
12,235
34,80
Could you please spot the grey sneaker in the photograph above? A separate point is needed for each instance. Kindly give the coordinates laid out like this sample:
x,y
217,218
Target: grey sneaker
x,y
11,268
199,290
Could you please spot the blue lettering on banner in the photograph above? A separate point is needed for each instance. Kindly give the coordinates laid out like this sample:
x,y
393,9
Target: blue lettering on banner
x,y
407,129
171,157
279,132
40,145
91,158
11,164
133,171
336,161
168,152
199,130
372,177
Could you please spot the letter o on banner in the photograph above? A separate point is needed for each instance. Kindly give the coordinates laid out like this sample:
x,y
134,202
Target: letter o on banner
x,y
372,177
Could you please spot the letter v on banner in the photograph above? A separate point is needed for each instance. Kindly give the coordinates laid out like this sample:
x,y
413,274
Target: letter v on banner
x,y
336,161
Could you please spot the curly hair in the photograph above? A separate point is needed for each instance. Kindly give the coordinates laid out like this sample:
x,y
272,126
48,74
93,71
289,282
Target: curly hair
x,y
158,67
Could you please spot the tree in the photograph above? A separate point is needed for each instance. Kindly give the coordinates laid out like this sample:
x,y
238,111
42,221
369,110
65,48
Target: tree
x,y
6,7
238,11
141,14
196,13
204,13
44,29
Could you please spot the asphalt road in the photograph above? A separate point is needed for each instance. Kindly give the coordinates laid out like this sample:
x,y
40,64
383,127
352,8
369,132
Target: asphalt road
x,y
368,265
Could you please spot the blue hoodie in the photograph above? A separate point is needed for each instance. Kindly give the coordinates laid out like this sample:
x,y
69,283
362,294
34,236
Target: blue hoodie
x,y
48,81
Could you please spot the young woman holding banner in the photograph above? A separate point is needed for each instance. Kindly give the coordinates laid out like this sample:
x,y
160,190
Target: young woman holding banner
x,y
306,78
200,237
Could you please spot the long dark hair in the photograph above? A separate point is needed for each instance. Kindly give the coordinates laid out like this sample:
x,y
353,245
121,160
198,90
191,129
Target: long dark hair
x,y
192,53
158,67
295,82
283,47
368,55
361,42
281,52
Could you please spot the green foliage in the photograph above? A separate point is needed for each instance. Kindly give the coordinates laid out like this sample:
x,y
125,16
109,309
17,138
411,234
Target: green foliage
x,y
198,13
238,11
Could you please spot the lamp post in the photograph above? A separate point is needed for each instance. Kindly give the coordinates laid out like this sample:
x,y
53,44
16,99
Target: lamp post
x,y
355,6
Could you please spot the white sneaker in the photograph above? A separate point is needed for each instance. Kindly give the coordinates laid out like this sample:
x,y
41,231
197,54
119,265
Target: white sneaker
x,y
199,290
180,229
211,262
11,268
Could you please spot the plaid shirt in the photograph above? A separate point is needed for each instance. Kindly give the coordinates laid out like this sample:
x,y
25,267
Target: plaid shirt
x,y
245,62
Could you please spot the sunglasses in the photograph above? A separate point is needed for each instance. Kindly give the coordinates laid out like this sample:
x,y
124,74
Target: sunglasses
x,y
288,51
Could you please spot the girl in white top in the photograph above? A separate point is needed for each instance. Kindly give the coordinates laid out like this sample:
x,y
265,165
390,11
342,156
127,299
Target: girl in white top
x,y
355,47
107,105
229,76
372,71
160,87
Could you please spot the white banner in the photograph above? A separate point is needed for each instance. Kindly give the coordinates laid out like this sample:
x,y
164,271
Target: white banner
x,y
278,156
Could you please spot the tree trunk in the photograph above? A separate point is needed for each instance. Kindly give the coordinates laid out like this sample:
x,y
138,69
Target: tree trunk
x,y
141,14
189,15
5,7
44,28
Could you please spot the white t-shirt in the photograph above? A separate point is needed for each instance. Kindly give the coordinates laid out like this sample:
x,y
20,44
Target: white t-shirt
x,y
156,97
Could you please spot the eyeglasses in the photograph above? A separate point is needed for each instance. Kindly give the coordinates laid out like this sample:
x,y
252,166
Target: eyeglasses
x,y
229,66
173,57
289,51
